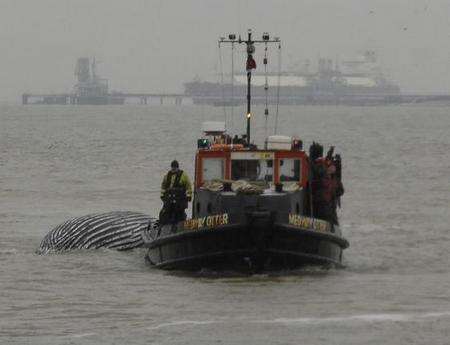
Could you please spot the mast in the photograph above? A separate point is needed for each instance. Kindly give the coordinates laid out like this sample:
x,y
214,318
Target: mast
x,y
250,64
232,84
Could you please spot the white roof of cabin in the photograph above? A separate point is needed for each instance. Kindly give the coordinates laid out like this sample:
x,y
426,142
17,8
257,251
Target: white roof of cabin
x,y
272,80
360,81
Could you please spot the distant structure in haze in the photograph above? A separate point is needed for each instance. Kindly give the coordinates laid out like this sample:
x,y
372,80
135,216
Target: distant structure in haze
x,y
93,90
356,81
89,89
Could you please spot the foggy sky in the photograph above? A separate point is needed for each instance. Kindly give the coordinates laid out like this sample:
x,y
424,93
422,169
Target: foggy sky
x,y
157,45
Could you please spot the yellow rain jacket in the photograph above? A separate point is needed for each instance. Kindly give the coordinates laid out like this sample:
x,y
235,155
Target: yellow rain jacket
x,y
183,182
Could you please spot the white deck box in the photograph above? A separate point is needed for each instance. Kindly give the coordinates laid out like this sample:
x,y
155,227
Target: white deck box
x,y
279,142
213,127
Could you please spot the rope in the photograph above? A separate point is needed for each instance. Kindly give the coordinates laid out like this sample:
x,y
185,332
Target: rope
x,y
232,85
278,87
222,85
239,186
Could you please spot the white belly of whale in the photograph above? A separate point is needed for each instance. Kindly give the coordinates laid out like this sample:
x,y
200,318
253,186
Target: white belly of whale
x,y
119,230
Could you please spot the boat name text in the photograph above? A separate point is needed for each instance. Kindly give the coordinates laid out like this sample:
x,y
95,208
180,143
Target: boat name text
x,y
309,223
206,222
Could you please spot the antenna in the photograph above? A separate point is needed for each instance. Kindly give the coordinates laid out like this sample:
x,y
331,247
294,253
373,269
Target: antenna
x,y
250,64
222,86
266,91
232,37
278,87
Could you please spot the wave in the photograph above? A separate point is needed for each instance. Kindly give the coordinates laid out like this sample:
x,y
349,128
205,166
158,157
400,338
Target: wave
x,y
363,318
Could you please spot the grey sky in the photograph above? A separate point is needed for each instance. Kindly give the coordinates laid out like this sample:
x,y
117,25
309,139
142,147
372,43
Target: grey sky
x,y
157,45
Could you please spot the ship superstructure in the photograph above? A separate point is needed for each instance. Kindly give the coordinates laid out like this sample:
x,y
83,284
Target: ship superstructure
x,y
352,81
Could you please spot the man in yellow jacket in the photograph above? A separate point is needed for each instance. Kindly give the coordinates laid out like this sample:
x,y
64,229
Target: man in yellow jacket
x,y
176,192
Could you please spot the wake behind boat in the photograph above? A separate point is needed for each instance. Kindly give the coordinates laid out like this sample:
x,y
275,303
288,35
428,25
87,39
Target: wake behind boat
x,y
255,208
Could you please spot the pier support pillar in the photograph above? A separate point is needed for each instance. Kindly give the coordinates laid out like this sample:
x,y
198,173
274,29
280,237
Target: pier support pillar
x,y
25,99
161,100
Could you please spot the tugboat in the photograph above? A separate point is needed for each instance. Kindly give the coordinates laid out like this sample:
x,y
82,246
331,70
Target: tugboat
x,y
254,208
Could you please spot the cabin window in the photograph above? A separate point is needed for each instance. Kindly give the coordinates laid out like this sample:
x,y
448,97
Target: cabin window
x,y
252,170
290,169
213,169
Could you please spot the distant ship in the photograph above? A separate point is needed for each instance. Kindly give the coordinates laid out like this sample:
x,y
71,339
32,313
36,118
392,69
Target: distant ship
x,y
359,81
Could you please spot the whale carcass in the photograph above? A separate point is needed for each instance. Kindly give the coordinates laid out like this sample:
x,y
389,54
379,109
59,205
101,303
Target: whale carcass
x,y
119,230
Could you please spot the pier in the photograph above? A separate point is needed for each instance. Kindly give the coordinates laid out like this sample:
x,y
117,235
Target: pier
x,y
114,98
144,97
177,99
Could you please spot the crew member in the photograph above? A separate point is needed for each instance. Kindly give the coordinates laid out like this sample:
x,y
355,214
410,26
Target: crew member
x,y
176,192
328,194
327,186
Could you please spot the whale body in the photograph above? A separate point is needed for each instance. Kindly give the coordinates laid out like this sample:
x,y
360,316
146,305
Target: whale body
x,y
119,230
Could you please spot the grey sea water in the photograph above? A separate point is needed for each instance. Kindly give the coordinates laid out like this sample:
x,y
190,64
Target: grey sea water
x,y
58,162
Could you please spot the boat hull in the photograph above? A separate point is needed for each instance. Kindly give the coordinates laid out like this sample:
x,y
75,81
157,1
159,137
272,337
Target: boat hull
x,y
257,246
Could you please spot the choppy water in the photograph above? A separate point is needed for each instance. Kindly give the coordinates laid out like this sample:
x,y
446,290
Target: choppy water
x,y
62,162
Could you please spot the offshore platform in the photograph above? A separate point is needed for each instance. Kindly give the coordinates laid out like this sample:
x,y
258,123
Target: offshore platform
x,y
94,90
89,89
